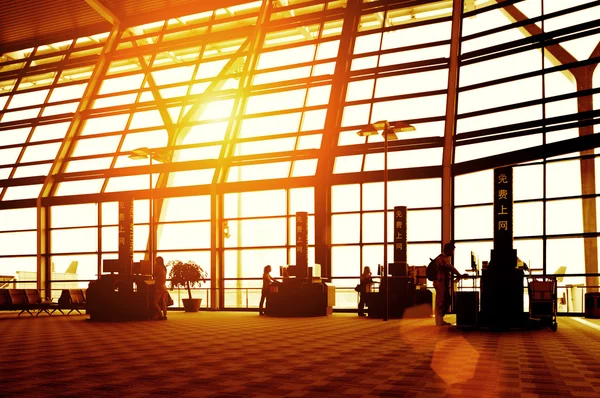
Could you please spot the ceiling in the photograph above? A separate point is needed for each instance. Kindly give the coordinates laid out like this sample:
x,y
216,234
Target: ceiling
x,y
25,24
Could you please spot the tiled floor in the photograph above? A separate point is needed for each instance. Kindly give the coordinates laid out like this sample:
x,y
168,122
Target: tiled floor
x,y
237,354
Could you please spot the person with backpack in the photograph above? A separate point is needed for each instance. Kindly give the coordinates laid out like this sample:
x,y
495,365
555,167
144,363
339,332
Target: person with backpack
x,y
443,283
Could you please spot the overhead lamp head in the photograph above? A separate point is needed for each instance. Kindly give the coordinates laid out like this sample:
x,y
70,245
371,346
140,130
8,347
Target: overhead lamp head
x,y
368,130
161,155
140,153
401,127
390,135
381,125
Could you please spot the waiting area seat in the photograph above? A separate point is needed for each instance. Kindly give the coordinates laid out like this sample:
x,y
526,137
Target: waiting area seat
x,y
26,300
5,302
72,300
30,301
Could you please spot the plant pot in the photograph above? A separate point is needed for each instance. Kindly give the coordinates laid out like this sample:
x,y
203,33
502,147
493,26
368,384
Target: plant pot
x,y
191,305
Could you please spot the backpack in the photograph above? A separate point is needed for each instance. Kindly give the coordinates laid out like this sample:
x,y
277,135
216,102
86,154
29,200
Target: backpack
x,y
432,270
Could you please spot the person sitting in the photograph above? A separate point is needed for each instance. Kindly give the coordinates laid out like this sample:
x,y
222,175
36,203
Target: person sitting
x,y
366,283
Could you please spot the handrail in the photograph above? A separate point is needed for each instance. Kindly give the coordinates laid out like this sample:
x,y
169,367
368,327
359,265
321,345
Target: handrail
x,y
346,289
248,292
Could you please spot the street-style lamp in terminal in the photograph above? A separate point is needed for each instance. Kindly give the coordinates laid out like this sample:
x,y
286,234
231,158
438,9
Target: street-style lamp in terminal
x,y
160,155
388,132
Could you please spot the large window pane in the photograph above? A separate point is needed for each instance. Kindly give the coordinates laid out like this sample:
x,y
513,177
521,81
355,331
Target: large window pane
x,y
474,222
186,208
474,188
22,268
528,182
564,217
345,198
261,232
74,215
86,268
345,228
372,227
566,253
18,219
528,219
255,204
424,225
183,236
563,178
250,263
74,240
345,261
302,199
18,243
414,193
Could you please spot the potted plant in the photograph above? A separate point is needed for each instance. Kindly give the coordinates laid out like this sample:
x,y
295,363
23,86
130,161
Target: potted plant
x,y
187,275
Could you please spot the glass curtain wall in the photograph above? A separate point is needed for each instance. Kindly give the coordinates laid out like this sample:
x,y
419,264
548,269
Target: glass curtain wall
x,y
255,103
528,79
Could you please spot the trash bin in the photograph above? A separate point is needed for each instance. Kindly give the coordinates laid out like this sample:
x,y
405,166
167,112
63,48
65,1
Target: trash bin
x,y
574,304
592,305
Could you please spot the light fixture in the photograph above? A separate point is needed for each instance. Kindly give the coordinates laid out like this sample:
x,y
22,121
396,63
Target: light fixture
x,y
388,132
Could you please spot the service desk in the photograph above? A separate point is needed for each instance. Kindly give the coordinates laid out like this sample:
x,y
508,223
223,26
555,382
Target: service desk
x,y
403,294
113,299
295,297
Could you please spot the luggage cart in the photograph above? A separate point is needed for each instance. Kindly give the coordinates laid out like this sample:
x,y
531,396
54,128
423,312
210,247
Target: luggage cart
x,y
542,300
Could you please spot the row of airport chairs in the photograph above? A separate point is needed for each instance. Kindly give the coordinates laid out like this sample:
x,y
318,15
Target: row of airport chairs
x,y
30,301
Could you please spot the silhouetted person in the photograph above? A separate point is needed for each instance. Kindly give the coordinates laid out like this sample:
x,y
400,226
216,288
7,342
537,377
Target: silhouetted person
x,y
366,282
267,280
159,298
443,283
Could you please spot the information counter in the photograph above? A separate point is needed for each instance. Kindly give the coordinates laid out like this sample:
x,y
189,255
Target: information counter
x,y
405,299
114,299
300,297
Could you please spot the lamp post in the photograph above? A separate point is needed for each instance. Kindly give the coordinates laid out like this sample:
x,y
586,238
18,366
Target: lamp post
x,y
160,155
389,133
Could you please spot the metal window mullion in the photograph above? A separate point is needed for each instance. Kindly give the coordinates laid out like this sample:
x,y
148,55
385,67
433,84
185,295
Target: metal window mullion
x,y
241,99
41,110
154,201
176,133
77,122
10,97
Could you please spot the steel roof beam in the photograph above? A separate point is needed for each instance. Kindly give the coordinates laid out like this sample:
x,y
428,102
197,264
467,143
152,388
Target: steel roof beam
x,y
104,11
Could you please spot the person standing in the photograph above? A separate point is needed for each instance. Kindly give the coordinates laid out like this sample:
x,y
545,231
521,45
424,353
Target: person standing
x,y
366,282
267,281
443,283
159,298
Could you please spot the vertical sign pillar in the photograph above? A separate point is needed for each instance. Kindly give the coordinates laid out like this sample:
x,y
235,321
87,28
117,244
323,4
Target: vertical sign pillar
x,y
503,208
301,244
502,285
126,236
400,234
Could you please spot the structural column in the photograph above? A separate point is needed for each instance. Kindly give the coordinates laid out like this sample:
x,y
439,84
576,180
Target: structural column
x,y
450,125
330,138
